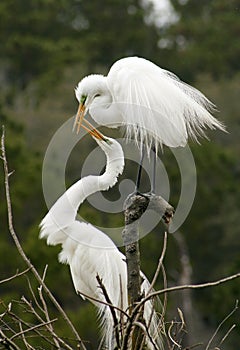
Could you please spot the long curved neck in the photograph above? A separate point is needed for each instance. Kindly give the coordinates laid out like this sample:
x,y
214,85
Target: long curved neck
x,y
66,207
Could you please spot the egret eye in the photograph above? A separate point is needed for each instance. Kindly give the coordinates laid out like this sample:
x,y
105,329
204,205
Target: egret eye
x,y
109,142
97,95
83,99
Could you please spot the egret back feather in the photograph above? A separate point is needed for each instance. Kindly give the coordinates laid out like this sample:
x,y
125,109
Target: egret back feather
x,y
157,107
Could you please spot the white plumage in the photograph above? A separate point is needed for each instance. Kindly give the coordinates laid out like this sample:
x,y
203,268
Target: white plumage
x,y
90,252
154,105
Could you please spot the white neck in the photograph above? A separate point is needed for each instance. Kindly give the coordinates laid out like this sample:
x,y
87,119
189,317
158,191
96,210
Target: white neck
x,y
64,211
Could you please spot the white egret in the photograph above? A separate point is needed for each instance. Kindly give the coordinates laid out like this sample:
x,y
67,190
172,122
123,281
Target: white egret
x,y
154,105
90,252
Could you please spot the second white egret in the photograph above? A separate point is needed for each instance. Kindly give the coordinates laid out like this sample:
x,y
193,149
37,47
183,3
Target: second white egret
x,y
90,252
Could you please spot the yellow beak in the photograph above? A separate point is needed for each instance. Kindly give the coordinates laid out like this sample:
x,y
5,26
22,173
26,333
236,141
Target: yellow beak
x,y
79,117
79,120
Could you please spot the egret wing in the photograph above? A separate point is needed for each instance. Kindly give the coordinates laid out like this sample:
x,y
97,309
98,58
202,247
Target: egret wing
x,y
157,107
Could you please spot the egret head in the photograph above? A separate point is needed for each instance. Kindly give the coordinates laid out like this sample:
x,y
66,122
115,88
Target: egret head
x,y
110,147
114,153
90,89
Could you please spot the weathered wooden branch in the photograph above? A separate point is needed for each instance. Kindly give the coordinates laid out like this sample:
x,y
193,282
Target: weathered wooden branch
x,y
134,207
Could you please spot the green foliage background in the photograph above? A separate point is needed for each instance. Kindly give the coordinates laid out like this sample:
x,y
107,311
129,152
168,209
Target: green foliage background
x,y
47,46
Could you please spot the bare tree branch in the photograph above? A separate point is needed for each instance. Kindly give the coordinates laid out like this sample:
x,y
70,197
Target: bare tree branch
x,y
176,288
135,205
19,247
192,286
17,274
220,325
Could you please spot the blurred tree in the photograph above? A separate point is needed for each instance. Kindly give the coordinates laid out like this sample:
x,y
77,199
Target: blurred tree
x,y
47,36
114,30
39,39
205,39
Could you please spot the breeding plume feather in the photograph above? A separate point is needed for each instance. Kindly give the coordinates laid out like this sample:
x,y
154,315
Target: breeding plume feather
x,y
153,104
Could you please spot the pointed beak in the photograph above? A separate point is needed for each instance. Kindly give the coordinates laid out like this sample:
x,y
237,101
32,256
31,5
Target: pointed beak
x,y
79,117
80,122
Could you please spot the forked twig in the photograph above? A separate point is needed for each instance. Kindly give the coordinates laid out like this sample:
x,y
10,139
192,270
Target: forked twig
x,y
188,286
17,274
220,325
34,312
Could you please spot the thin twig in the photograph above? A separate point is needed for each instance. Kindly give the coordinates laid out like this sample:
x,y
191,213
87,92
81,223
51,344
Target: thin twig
x,y
147,334
170,336
8,308
34,296
104,303
18,319
220,325
227,334
193,346
159,267
168,290
28,346
164,305
19,247
32,328
112,310
121,317
160,262
54,335
131,319
32,309
17,274
49,327
7,342
187,286
183,324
